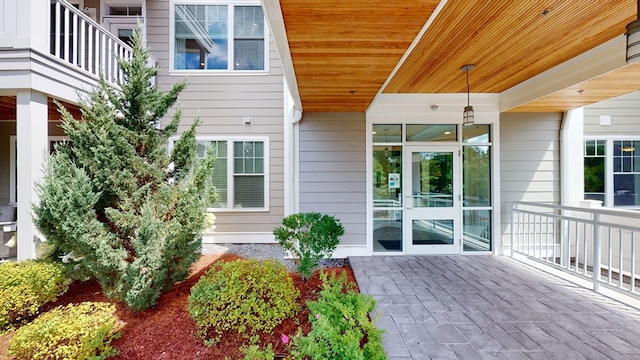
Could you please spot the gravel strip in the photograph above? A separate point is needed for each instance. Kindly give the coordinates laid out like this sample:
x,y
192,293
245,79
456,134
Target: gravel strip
x,y
265,251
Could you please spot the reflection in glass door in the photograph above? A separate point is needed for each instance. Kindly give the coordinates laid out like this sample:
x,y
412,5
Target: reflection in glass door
x,y
432,200
387,199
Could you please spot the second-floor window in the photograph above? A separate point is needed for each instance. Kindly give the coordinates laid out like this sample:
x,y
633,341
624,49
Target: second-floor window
x,y
219,37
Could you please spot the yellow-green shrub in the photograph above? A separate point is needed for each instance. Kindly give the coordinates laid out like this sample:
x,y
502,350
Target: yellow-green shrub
x,y
24,287
244,296
76,331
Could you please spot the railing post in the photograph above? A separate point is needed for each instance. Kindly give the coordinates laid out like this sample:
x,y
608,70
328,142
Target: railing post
x,y
513,222
597,253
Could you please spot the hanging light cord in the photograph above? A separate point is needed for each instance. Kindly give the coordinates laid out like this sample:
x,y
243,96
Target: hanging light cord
x,y
467,71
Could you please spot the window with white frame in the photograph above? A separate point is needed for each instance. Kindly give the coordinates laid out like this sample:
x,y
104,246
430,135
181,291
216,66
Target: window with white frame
x,y
239,172
218,36
612,171
13,163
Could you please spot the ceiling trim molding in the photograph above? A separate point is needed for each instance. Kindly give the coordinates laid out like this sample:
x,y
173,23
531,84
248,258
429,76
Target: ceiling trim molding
x,y
273,13
595,62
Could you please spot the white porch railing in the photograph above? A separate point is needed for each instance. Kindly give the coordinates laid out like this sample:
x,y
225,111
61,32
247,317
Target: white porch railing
x,y
80,41
596,243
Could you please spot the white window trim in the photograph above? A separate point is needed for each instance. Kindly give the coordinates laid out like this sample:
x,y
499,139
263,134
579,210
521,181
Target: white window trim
x,y
230,172
13,176
215,72
608,165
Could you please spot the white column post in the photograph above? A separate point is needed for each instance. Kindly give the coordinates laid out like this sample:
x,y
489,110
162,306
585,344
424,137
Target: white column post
x,y
31,132
571,158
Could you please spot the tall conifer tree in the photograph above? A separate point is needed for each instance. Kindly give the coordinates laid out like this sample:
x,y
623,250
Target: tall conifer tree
x,y
114,204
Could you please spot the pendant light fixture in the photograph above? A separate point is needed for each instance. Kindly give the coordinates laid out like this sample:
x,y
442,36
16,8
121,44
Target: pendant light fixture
x,y
467,115
633,38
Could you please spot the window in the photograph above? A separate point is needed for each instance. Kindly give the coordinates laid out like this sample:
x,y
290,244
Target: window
x,y
239,173
219,37
612,171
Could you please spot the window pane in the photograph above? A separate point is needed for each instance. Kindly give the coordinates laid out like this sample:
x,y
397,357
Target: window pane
x,y
475,134
219,177
387,230
476,226
201,36
249,191
248,157
249,54
626,189
476,172
387,133
387,181
594,178
432,132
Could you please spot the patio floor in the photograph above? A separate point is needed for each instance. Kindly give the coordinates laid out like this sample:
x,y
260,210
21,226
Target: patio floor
x,y
491,307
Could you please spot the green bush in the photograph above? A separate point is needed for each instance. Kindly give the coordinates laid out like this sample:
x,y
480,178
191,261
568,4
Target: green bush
x,y
309,237
77,331
244,296
24,287
340,325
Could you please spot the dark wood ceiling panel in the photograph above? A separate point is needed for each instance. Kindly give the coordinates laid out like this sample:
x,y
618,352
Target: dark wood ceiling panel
x,y
8,109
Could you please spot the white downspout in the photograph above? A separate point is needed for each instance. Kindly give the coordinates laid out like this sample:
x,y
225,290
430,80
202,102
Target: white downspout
x,y
292,117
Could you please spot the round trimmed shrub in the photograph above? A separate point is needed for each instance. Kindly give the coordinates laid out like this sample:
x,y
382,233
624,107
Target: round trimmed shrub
x,y
24,287
76,331
243,296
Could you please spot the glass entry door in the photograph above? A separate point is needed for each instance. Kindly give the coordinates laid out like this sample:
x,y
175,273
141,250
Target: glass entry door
x,y
432,223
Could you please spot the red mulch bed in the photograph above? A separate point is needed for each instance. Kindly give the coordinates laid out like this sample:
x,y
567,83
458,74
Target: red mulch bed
x,y
167,332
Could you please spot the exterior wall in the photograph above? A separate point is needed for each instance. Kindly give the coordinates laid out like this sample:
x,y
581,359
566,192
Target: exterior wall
x,y
625,116
333,170
221,101
529,161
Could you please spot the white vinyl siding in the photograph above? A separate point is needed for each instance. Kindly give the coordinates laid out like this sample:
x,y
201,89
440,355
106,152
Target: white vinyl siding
x,y
529,161
221,102
625,116
333,170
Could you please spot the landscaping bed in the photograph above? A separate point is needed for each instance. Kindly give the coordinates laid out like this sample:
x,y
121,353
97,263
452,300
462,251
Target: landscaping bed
x,y
166,331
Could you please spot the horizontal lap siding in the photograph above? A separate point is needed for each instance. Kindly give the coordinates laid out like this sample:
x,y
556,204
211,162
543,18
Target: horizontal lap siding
x,y
221,102
529,161
625,116
333,170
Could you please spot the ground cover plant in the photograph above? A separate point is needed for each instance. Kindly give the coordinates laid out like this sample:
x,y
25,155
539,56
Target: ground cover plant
x,y
25,286
74,331
167,331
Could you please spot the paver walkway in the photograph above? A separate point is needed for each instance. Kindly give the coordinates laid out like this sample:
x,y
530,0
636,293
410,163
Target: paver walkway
x,y
491,307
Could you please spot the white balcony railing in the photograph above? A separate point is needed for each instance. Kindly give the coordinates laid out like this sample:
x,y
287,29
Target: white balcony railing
x,y
593,242
80,41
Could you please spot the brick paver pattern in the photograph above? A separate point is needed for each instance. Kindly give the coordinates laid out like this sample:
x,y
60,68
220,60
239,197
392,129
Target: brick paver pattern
x,y
491,307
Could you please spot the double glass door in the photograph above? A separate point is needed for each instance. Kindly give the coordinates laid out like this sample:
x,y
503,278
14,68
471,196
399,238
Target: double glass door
x,y
432,200
417,206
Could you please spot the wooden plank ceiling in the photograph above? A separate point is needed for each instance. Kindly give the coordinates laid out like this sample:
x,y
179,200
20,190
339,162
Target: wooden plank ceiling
x,y
344,51
8,109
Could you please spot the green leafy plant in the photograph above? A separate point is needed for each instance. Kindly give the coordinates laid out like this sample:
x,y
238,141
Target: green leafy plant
x,y
116,205
309,237
244,296
24,287
341,328
77,331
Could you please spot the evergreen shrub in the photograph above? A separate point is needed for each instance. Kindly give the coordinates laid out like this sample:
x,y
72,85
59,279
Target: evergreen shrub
x,y
115,205
24,287
77,331
244,296
309,237
341,328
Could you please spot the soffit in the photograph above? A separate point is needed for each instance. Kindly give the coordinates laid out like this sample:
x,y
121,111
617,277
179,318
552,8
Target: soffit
x,y
344,51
